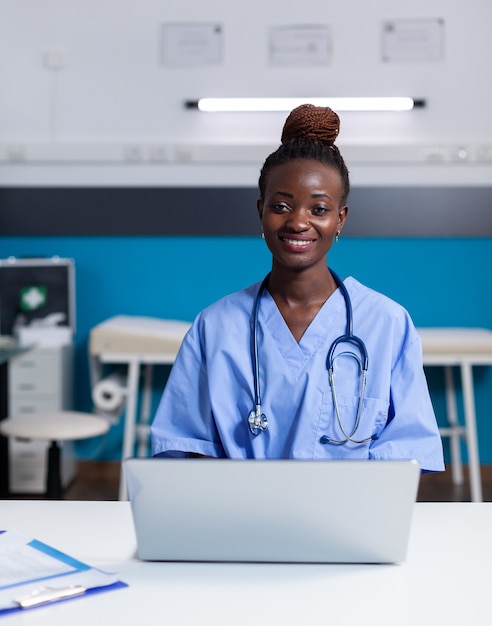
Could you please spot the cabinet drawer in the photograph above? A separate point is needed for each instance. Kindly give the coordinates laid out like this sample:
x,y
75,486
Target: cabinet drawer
x,y
22,405
28,465
35,372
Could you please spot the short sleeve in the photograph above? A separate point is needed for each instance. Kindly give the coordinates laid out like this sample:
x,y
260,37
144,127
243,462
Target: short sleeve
x,y
183,422
411,431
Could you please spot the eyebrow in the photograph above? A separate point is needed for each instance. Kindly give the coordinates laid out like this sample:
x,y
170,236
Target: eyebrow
x,y
314,195
284,193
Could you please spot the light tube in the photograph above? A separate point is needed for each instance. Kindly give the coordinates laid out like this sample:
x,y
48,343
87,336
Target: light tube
x,y
287,104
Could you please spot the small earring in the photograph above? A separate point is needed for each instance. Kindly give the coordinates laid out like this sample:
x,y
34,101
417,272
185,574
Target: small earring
x,y
337,236
262,235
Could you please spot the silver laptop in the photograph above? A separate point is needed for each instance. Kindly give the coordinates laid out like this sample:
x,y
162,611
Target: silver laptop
x,y
272,510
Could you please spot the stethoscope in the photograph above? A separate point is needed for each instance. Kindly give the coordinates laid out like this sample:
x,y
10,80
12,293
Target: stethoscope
x,y
257,420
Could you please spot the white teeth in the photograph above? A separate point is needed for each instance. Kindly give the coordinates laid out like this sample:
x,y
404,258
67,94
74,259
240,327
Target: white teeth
x,y
296,242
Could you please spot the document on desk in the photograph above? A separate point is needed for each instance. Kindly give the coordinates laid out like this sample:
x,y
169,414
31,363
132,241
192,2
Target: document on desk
x,y
34,574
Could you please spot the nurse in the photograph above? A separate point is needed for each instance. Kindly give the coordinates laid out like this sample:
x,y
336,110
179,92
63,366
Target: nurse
x,y
251,378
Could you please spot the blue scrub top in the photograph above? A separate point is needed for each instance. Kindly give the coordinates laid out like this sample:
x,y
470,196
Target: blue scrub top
x,y
210,392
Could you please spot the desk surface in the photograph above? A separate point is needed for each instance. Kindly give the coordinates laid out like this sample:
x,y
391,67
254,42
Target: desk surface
x,y
445,580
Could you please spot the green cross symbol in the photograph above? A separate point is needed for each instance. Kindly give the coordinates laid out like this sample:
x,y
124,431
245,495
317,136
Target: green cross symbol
x,y
32,298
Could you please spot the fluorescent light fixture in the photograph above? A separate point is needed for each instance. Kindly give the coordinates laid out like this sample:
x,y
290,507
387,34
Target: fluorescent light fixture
x,y
287,104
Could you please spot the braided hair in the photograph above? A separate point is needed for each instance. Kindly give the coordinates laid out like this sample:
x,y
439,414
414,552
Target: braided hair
x,y
309,132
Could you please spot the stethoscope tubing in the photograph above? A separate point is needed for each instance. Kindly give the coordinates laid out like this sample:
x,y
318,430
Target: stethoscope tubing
x,y
257,420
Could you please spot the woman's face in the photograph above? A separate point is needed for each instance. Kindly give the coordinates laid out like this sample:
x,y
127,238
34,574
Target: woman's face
x,y
302,212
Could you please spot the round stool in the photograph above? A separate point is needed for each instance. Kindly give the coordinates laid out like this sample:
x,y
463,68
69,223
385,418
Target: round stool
x,y
54,427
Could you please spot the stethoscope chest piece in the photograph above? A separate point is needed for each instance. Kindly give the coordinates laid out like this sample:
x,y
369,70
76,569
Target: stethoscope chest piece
x,y
257,421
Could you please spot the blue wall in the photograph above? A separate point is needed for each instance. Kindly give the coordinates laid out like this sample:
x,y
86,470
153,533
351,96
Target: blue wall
x,y
442,282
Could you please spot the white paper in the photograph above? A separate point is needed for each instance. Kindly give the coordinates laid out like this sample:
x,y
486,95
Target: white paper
x,y
20,562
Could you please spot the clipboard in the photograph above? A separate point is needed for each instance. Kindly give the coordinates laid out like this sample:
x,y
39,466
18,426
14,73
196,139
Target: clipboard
x,y
34,574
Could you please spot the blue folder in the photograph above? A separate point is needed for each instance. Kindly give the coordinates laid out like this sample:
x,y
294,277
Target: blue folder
x,y
34,574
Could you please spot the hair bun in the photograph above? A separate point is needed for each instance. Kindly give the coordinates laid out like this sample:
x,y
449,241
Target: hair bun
x,y
311,122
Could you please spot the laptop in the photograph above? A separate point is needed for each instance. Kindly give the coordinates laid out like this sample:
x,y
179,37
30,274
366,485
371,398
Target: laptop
x,y
272,510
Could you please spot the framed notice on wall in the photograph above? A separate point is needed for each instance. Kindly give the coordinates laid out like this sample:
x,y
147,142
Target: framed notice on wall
x,y
413,40
300,45
191,44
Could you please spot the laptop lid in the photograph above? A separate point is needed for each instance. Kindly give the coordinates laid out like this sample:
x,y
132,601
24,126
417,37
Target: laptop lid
x,y
272,510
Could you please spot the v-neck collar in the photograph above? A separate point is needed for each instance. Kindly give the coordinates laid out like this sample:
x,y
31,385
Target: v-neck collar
x,y
316,334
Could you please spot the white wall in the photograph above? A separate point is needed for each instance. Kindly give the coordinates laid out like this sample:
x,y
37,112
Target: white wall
x,y
113,94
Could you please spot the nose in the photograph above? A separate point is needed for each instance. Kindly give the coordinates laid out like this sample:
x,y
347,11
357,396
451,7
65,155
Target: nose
x,y
299,220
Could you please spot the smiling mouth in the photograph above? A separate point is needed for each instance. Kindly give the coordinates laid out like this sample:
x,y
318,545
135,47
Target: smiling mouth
x,y
297,243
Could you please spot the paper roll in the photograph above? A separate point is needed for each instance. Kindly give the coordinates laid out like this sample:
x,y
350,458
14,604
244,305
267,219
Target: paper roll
x,y
108,394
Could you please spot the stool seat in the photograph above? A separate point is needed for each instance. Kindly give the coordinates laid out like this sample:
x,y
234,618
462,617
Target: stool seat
x,y
54,426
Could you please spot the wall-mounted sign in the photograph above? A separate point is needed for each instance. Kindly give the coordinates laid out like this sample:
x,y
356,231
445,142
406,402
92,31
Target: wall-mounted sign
x,y
300,45
413,40
191,44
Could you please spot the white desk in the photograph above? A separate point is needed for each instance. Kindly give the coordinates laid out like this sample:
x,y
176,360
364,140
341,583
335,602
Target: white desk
x,y
462,348
445,580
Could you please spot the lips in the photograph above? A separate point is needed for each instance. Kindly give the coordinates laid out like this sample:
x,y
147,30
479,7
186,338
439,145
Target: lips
x,y
298,244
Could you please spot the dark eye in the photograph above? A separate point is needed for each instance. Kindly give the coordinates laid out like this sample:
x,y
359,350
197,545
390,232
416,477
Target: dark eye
x,y
280,207
320,211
